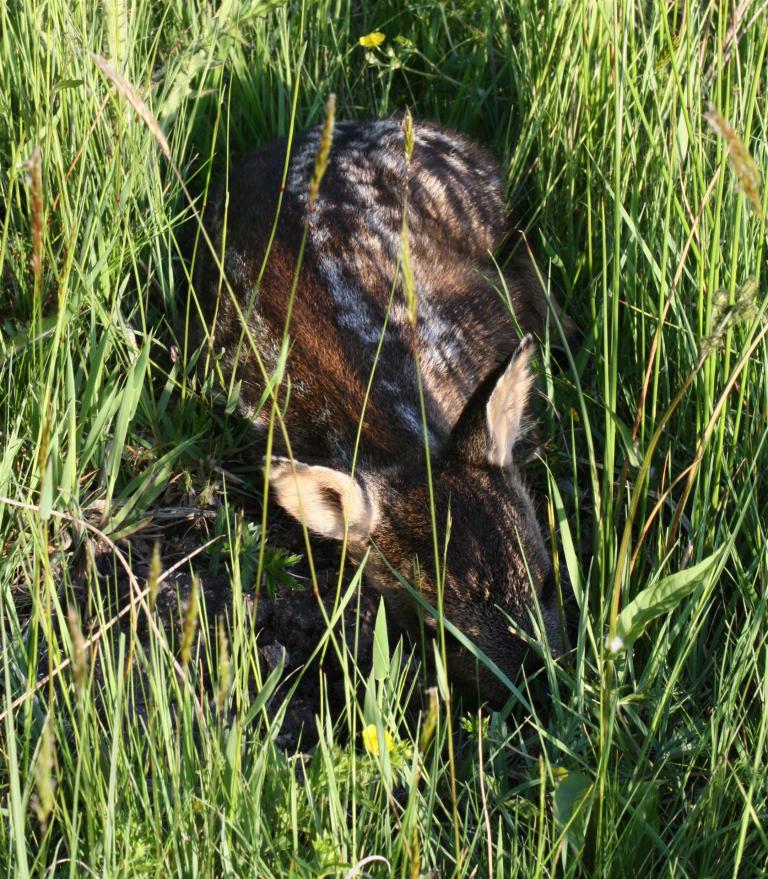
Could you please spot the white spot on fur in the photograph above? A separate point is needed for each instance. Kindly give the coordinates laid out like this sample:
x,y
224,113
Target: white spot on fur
x,y
352,311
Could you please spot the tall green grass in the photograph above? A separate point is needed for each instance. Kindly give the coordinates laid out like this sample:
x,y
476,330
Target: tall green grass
x,y
130,750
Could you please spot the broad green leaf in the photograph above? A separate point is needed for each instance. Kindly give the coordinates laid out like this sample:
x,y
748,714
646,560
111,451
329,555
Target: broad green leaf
x,y
232,751
442,676
396,662
13,443
572,805
46,490
383,740
69,471
30,336
233,398
277,375
181,85
93,392
661,597
381,645
265,692
100,424
630,445
370,701
142,491
637,841
566,538
128,406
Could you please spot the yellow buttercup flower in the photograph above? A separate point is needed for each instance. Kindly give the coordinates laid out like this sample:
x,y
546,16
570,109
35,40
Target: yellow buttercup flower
x,y
371,739
373,39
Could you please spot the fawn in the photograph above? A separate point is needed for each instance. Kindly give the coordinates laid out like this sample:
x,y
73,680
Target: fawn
x,y
353,336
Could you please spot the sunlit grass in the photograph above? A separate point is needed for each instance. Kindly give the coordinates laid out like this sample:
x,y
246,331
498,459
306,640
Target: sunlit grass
x,y
633,141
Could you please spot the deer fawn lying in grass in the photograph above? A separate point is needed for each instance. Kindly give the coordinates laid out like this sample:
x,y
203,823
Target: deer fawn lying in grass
x,y
359,354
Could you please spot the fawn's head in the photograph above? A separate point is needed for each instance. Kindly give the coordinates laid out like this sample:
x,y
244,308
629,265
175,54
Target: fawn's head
x,y
495,561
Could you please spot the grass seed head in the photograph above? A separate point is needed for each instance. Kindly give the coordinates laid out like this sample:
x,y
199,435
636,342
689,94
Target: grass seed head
x,y
408,135
45,775
323,151
225,666
430,721
79,653
35,166
190,621
726,314
409,283
743,164
131,95
153,583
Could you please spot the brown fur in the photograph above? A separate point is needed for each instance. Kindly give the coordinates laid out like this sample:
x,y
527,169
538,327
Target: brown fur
x,y
476,376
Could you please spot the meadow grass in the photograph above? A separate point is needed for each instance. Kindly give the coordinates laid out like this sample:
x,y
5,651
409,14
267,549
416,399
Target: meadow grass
x,y
633,141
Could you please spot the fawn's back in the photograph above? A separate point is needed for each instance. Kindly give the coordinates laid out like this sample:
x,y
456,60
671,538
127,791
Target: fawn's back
x,y
455,216
355,352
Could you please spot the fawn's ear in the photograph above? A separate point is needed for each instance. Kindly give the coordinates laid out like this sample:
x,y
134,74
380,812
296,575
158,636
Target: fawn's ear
x,y
492,421
323,499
